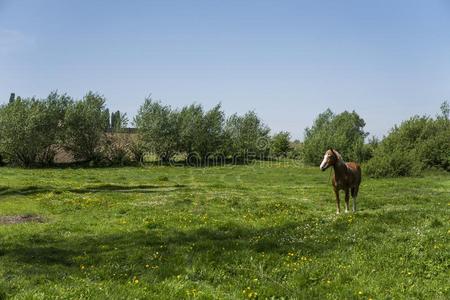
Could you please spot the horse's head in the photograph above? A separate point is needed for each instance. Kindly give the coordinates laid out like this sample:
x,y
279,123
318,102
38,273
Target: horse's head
x,y
329,159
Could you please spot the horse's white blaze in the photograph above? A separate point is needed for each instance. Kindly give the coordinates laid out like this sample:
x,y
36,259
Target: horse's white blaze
x,y
324,161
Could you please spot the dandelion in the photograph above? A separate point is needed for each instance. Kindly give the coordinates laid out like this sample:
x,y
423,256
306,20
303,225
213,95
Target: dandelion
x,y
360,293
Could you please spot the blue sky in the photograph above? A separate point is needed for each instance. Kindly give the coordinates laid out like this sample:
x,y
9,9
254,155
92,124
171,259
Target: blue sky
x,y
287,60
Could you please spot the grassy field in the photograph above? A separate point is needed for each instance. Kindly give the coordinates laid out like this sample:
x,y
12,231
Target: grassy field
x,y
266,231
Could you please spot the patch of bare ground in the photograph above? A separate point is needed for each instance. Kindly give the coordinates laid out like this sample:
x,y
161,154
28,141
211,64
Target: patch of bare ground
x,y
20,219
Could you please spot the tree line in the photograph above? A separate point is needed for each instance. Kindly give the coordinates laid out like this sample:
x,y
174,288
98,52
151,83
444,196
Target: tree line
x,y
33,131
206,134
419,143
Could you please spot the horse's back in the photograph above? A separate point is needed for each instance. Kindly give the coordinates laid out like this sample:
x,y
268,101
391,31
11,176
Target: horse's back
x,y
356,171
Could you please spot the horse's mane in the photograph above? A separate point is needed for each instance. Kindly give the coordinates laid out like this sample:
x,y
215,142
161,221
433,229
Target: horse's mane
x,y
338,155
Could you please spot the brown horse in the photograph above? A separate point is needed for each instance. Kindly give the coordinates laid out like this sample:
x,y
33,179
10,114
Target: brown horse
x,y
347,177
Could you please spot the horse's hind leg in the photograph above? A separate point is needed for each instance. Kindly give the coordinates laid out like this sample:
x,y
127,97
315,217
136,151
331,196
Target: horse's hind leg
x,y
347,198
354,195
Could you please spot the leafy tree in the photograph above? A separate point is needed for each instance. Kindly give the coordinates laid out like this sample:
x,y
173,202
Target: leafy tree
x,y
30,129
190,127
247,136
211,136
158,128
200,132
296,150
119,121
445,111
85,124
281,144
418,143
108,120
369,148
344,132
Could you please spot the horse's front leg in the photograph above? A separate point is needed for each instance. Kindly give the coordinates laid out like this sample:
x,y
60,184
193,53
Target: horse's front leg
x,y
338,207
347,199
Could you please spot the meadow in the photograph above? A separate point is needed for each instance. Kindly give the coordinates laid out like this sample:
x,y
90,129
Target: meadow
x,y
261,231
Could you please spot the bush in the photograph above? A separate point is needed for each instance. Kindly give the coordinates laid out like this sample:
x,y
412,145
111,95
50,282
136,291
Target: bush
x,y
246,137
201,133
158,128
122,149
296,150
280,144
394,164
137,149
116,149
85,124
30,129
434,150
418,143
344,132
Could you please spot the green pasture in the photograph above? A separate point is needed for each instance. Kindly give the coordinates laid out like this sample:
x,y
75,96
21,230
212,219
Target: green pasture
x,y
260,231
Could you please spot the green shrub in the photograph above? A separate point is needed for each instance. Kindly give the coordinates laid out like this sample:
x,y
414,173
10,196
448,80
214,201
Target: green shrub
x,y
201,132
418,143
30,129
246,137
280,144
158,128
434,150
344,132
394,164
85,124
296,150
